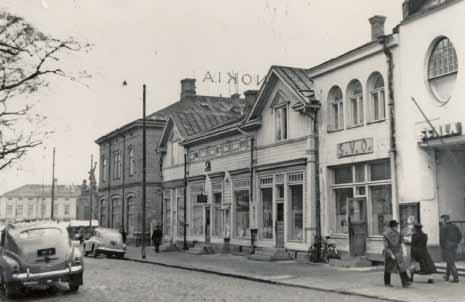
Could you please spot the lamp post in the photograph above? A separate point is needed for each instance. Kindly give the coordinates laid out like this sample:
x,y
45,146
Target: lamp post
x,y
144,172
185,247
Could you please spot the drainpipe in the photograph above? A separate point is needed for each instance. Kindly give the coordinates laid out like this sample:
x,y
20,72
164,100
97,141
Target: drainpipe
x,y
124,173
110,161
160,162
185,247
392,125
253,232
316,138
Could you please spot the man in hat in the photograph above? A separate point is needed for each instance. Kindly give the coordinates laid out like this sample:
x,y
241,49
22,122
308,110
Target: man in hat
x,y
394,258
449,239
157,237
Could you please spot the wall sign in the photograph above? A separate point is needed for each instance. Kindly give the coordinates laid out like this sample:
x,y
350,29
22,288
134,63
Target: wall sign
x,y
202,198
443,130
355,147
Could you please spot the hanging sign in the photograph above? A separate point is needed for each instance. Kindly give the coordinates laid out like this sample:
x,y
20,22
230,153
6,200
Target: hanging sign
x,y
355,147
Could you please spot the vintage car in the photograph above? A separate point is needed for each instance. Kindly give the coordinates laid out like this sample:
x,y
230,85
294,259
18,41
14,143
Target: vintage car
x,y
38,254
105,241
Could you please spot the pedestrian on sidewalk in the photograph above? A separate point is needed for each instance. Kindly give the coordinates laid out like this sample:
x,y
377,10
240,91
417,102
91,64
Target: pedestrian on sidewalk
x,y
157,236
123,234
420,255
393,255
449,238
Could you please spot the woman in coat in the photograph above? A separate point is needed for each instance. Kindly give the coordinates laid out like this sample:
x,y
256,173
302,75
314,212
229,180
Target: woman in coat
x,y
420,255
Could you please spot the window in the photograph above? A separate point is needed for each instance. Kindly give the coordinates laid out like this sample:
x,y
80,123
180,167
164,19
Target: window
x,y
180,204
376,104
218,228
116,213
197,211
267,212
355,99
167,208
42,210
103,210
9,211
19,211
380,170
132,215
242,205
296,206
67,207
336,109
342,195
55,210
104,169
442,69
132,161
116,165
343,175
280,116
381,201
30,210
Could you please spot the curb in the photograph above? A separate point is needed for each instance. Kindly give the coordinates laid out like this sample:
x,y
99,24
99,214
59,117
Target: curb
x,y
267,281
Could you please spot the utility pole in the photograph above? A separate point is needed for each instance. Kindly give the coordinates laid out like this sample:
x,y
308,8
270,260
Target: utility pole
x,y
53,185
91,183
144,167
185,247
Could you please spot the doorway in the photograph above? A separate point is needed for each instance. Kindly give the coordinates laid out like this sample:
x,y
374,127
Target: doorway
x,y
358,226
207,225
280,225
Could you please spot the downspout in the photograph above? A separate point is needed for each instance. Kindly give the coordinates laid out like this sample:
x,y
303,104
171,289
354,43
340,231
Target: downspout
x,y
253,232
185,247
160,161
392,125
123,198
109,185
316,139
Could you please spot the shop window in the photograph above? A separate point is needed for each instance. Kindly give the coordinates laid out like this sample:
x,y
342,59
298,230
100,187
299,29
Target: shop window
x,y
180,205
296,221
442,69
241,200
359,173
267,212
355,100
197,211
376,104
336,109
343,175
342,196
218,227
381,207
380,170
167,214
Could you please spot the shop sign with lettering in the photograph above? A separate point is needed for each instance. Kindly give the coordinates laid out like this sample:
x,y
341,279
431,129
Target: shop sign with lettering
x,y
355,147
442,131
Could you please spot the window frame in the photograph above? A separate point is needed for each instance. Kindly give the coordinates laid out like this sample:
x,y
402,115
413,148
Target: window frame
x,y
283,127
446,60
132,160
335,109
380,93
355,105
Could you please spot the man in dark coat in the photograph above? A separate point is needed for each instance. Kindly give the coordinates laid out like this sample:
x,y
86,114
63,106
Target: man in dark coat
x,y
393,256
449,239
419,253
123,234
157,237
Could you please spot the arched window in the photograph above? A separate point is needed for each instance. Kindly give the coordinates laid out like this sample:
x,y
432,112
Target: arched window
x,y
103,212
376,98
442,69
280,112
132,215
116,212
132,161
355,101
336,109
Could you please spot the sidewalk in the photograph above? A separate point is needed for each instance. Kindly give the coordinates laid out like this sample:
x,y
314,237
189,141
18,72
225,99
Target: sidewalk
x,y
360,282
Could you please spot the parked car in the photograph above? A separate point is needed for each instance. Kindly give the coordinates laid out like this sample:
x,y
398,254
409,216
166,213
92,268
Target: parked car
x,y
105,241
38,254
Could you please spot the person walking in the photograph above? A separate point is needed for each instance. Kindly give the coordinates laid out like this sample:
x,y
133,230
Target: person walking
x,y
449,239
157,236
393,255
123,234
419,254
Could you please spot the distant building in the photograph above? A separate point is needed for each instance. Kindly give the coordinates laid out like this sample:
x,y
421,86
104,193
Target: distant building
x,y
83,203
33,202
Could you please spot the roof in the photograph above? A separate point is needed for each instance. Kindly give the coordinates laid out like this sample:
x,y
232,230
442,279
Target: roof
x,y
33,190
295,78
194,114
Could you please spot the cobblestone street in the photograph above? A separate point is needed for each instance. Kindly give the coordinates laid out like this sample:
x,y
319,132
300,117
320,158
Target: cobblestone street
x,y
119,280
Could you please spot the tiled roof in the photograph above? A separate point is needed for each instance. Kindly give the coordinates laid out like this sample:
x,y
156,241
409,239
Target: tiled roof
x,y
297,78
195,114
44,190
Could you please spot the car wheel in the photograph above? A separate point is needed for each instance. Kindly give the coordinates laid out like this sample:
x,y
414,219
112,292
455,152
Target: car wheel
x,y
73,286
121,256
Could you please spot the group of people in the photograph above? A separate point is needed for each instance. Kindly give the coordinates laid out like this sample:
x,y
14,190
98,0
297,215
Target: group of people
x,y
157,236
420,261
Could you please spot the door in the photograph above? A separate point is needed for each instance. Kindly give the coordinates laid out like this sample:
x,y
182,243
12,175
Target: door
x,y
207,224
358,226
280,225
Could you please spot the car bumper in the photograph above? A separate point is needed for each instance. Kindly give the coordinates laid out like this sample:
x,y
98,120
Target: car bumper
x,y
47,277
106,250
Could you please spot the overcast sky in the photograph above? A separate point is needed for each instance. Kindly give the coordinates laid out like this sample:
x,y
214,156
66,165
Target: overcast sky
x,y
159,43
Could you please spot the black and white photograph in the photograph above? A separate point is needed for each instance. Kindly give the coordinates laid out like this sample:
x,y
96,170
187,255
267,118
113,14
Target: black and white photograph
x,y
213,150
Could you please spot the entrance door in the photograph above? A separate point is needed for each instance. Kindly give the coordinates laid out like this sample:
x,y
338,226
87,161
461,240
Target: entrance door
x,y
358,226
280,225
207,224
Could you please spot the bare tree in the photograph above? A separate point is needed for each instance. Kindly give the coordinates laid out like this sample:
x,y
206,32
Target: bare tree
x,y
27,60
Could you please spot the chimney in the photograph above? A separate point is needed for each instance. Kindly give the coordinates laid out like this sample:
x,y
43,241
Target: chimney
x,y
187,88
235,97
377,26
